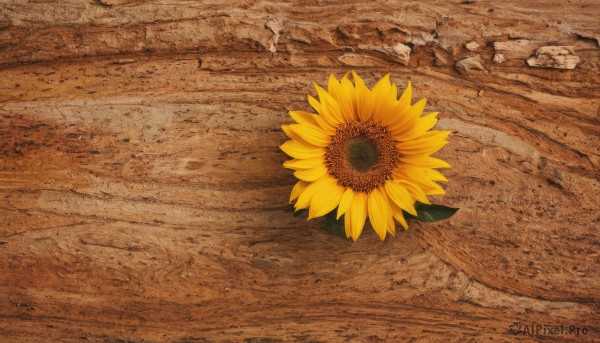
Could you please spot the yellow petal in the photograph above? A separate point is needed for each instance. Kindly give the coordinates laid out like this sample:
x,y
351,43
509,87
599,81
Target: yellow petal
x,y
406,120
406,98
321,120
310,190
324,119
435,175
326,124
434,189
326,199
345,202
415,191
348,224
379,211
343,95
424,145
422,125
387,107
363,99
391,226
315,104
291,134
333,87
398,215
302,117
419,177
393,94
312,174
379,97
400,196
423,149
348,100
399,108
306,163
329,106
297,189
311,119
358,214
382,86
297,149
311,134
427,139
424,161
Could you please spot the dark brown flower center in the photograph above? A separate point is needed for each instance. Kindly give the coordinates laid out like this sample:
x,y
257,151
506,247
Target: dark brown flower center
x,y
361,155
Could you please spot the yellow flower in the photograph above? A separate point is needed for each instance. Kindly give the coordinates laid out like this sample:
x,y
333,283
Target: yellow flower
x,y
365,152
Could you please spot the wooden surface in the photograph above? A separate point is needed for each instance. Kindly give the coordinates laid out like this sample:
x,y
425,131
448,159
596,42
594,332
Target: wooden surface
x,y
142,192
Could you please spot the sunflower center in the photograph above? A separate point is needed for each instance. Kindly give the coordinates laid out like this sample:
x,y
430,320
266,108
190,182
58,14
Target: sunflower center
x,y
361,156
361,153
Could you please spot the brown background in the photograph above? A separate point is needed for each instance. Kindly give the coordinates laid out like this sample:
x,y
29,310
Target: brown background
x,y
141,186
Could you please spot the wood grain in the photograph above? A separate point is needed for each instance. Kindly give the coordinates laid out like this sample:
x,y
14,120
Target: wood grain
x,y
142,192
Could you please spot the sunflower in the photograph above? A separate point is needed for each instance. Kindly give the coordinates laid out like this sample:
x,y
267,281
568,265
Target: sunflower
x,y
365,152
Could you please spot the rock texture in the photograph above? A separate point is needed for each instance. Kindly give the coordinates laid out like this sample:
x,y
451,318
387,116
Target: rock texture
x,y
469,65
142,192
560,57
472,46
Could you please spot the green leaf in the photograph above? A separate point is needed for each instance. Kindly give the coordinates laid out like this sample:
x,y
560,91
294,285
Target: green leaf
x,y
431,213
299,212
334,226
291,208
